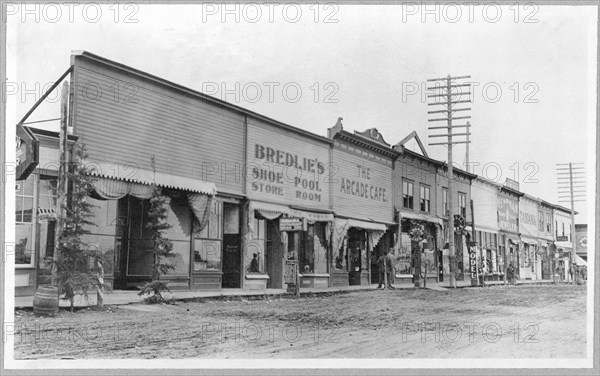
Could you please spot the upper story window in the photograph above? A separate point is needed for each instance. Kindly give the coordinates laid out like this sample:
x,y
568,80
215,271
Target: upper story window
x,y
462,204
408,194
445,200
425,198
541,221
548,222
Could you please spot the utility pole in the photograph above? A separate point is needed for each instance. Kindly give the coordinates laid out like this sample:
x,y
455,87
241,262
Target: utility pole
x,y
467,153
62,186
571,185
450,98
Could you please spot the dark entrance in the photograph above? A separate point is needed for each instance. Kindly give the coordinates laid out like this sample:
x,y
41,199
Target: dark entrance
x,y
232,262
133,260
274,255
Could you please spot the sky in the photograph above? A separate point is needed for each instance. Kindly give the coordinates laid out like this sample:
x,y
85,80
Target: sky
x,y
533,70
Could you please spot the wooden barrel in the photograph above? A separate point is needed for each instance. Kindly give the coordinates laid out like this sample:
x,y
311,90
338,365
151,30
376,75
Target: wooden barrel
x,y
45,301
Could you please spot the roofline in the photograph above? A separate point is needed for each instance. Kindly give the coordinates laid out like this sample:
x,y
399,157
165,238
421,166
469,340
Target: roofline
x,y
511,190
52,134
532,198
459,171
563,209
365,142
488,181
192,92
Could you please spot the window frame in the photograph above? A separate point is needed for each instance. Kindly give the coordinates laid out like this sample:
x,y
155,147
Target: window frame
x,y
445,208
33,236
425,201
461,208
408,200
206,235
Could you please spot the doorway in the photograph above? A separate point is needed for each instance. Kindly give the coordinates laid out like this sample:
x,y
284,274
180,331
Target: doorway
x,y
232,260
274,256
133,263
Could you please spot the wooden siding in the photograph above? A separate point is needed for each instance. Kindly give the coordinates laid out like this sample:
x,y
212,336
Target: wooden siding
x,y
377,202
188,137
460,184
303,181
485,204
418,172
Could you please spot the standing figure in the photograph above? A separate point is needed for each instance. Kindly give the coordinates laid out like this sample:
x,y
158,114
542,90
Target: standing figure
x,y
254,264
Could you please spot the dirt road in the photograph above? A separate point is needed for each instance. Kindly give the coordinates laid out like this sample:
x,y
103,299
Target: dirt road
x,y
495,322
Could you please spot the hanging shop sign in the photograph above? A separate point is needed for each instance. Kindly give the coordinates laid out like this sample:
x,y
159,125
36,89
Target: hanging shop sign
x,y
287,168
292,224
27,157
562,238
473,265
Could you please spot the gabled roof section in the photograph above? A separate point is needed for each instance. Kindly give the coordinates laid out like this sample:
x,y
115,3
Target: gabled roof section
x,y
415,136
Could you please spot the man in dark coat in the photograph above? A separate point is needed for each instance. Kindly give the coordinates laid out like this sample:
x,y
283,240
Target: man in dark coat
x,y
385,263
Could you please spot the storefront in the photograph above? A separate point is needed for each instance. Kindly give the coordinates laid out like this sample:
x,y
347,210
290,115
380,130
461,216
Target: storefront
x,y
489,244
546,240
563,241
363,204
530,254
419,248
461,207
289,216
508,223
35,216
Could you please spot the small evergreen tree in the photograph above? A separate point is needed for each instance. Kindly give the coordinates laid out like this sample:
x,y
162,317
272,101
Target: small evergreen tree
x,y
75,264
162,248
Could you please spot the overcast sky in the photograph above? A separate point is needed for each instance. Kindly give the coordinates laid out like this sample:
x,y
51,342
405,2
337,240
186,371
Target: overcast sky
x,y
367,64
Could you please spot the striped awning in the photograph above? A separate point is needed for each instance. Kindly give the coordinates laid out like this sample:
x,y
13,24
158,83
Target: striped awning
x,y
133,174
271,211
421,217
45,213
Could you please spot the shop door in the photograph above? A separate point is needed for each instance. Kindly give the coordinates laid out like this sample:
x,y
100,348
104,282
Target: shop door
x,y
232,261
441,265
133,244
121,235
546,268
274,256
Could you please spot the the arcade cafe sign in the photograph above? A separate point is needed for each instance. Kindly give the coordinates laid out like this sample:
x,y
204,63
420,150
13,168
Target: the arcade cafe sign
x,y
27,156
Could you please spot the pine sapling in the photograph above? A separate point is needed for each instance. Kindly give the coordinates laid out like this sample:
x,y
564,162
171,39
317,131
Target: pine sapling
x,y
162,248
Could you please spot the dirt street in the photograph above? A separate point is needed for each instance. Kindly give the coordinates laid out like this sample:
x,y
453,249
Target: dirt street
x,y
534,321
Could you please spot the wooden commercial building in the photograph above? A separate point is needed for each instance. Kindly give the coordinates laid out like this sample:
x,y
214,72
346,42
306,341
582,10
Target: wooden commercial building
x,y
248,197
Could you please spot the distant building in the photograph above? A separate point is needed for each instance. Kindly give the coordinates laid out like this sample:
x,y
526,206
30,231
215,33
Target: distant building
x,y
581,241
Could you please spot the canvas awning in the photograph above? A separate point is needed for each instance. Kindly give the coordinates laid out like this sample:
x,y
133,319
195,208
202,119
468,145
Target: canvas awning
x,y
579,260
421,217
272,211
132,174
268,210
367,225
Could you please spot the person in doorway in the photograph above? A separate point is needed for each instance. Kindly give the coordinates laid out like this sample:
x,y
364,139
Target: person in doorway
x,y
254,264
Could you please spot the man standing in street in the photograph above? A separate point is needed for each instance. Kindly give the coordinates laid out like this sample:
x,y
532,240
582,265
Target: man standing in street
x,y
385,264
